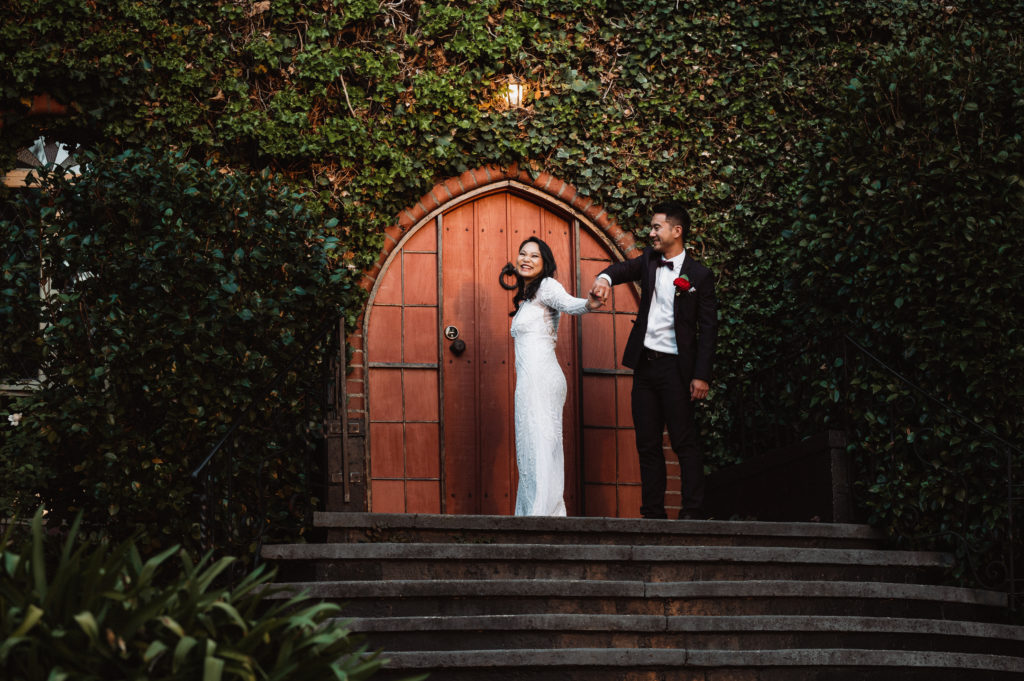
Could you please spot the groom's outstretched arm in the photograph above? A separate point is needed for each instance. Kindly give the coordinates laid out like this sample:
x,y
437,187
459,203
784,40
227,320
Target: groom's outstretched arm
x,y
617,273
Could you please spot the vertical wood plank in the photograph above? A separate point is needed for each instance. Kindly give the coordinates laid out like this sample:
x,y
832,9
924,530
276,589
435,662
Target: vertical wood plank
x,y
460,393
558,235
496,439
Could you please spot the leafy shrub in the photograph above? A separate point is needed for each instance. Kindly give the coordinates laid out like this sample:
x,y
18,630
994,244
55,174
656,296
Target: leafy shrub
x,y
80,610
178,292
826,147
909,225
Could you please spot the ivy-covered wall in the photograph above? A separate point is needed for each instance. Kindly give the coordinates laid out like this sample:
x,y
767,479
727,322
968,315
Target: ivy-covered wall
x,y
848,163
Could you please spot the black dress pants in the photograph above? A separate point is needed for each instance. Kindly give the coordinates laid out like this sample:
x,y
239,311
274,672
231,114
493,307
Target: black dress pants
x,y
660,399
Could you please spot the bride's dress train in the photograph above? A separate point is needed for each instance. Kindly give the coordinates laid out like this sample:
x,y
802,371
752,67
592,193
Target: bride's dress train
x,y
539,398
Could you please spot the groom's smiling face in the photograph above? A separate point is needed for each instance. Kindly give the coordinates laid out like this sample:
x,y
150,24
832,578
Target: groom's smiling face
x,y
665,237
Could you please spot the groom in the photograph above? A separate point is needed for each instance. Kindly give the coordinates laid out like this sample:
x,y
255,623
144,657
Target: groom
x,y
670,350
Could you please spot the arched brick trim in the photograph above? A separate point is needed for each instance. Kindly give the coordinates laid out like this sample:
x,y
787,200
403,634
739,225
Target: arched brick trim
x,y
450,191
444,193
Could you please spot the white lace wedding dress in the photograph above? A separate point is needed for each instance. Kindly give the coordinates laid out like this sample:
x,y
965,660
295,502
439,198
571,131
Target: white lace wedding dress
x,y
540,397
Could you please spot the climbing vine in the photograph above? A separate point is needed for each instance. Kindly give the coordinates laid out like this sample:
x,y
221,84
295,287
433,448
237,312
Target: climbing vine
x,y
783,123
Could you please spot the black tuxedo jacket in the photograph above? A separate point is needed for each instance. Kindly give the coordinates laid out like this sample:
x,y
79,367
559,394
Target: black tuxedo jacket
x,y
696,314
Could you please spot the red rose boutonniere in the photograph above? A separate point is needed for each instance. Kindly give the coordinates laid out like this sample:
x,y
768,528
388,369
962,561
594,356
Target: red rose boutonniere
x,y
683,285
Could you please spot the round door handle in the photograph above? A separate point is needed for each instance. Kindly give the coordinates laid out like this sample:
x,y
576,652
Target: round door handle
x,y
457,347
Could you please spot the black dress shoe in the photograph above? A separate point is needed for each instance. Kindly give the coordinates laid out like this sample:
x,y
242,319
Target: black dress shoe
x,y
692,514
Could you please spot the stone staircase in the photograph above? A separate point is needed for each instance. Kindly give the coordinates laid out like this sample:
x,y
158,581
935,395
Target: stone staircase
x,y
488,597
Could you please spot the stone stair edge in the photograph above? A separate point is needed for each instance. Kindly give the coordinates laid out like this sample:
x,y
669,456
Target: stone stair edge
x,y
687,624
662,657
412,521
603,552
640,589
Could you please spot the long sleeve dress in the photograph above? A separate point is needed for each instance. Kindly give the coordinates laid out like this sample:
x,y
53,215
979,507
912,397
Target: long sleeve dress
x,y
539,398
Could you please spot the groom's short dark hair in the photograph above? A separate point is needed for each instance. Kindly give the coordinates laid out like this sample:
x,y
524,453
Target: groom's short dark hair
x,y
676,213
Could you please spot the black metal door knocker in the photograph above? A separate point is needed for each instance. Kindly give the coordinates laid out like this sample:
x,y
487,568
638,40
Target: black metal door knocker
x,y
509,270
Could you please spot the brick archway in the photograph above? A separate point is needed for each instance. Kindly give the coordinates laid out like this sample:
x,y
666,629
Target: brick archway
x,y
493,176
442,197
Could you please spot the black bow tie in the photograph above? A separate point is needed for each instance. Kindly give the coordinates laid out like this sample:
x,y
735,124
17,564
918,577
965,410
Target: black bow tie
x,y
665,263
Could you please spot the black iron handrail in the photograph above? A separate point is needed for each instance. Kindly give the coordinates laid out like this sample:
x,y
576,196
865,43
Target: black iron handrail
x,y
760,428
1013,583
241,512
266,390
910,384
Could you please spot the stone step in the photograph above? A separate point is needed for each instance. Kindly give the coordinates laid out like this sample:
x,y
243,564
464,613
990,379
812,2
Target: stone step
x,y
569,631
688,664
409,598
596,599
420,528
389,561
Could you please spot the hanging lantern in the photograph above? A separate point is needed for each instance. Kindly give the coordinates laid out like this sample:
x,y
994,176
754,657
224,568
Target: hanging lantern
x,y
514,92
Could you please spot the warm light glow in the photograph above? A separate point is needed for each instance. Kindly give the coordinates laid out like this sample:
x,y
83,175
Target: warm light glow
x,y
514,94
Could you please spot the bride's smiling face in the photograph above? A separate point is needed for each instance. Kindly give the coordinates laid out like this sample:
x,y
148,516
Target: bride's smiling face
x,y
529,263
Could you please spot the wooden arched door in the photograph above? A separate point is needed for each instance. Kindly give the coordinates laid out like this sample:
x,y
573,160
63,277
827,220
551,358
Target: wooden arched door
x,y
441,436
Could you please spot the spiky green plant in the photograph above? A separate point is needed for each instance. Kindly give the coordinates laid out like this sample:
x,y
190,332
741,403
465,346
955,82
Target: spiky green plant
x,y
84,610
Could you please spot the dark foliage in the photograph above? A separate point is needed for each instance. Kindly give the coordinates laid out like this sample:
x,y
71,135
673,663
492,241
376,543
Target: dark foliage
x,y
179,290
851,165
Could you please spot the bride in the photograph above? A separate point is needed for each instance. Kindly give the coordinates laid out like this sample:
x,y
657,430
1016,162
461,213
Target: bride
x,y
540,384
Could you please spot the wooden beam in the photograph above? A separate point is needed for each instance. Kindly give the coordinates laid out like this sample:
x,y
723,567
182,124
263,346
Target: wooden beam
x,y
19,177
16,178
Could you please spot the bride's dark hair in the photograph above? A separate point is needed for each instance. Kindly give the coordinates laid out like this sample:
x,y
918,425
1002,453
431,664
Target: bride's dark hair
x,y
528,291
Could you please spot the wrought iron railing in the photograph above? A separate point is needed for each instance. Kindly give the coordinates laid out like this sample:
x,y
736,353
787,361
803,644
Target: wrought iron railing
x,y
234,483
903,437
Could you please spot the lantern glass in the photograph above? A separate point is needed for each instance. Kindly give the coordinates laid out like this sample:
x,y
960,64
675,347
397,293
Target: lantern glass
x,y
514,94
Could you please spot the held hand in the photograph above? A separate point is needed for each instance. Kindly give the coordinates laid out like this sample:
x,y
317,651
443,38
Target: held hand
x,y
601,289
698,389
593,301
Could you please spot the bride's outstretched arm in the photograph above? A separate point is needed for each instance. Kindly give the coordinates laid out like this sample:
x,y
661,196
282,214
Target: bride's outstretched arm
x,y
554,295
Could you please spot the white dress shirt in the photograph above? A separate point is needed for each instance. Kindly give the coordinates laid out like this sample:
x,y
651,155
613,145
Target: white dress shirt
x,y
661,329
